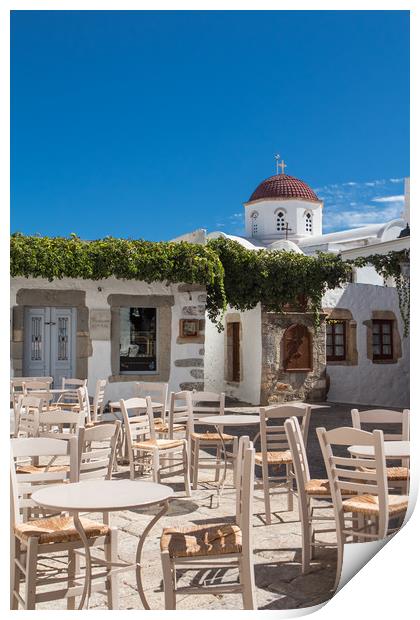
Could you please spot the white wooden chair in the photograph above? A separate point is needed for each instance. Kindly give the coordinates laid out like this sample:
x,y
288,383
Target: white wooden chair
x,y
60,424
180,417
140,437
398,476
308,489
16,386
27,411
40,389
97,450
158,392
275,451
83,405
33,537
215,545
206,404
97,407
70,397
372,506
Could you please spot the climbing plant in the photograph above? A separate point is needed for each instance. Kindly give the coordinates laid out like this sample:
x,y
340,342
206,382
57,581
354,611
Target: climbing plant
x,y
129,259
389,266
277,278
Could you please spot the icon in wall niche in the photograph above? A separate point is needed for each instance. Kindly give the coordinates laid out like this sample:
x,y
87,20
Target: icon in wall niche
x,y
188,328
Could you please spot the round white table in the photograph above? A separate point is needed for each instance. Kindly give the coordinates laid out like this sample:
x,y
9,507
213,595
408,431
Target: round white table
x,y
106,496
220,421
392,450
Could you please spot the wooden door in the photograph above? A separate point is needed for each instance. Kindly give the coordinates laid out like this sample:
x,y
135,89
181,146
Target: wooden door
x,y
297,349
50,343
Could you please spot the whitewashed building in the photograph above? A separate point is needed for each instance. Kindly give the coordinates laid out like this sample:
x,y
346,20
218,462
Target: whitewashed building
x,y
359,354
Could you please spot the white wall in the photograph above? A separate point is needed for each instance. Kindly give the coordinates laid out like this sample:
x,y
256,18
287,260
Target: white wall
x,y
294,210
249,388
99,364
369,383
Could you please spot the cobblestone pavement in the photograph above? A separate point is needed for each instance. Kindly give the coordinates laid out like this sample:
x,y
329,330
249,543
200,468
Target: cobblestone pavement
x,y
277,547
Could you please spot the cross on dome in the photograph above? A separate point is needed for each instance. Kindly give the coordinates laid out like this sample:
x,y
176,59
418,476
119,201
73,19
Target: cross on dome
x,y
279,164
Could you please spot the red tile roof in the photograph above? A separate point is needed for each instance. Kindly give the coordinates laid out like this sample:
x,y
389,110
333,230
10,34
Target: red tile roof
x,y
284,186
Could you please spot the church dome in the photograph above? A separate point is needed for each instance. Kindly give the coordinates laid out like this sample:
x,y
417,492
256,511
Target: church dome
x,y
283,187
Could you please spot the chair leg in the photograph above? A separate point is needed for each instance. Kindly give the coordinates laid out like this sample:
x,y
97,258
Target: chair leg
x,y
266,487
155,466
218,463
340,552
168,581
289,487
306,534
15,573
246,570
73,569
111,555
31,573
195,462
187,481
234,458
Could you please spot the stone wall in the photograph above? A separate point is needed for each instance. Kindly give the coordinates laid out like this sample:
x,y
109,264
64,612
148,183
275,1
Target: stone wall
x,y
302,385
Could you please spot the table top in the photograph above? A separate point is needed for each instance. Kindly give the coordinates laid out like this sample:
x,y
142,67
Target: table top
x,y
392,449
102,495
230,420
141,405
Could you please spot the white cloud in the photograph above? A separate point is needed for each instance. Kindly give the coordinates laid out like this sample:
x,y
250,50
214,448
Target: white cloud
x,y
399,198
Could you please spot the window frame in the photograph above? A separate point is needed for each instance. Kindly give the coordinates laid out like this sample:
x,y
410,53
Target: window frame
x,y
309,221
383,356
334,357
156,354
281,217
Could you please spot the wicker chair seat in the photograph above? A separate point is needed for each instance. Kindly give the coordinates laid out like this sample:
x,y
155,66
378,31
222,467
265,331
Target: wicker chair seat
x,y
275,458
58,530
161,444
318,487
163,427
394,473
202,540
211,437
41,469
368,504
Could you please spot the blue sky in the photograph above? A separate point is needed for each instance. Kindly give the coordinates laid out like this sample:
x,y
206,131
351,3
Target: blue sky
x,y
150,124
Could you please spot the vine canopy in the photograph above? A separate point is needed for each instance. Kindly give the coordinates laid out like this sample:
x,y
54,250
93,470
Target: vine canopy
x,y
231,274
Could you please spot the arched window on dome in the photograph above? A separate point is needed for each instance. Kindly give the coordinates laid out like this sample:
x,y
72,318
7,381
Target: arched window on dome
x,y
254,224
280,221
308,222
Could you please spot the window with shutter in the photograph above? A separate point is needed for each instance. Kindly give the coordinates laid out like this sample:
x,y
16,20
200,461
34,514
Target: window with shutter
x,y
297,349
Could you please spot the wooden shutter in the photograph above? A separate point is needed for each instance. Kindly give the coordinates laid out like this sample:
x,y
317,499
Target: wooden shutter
x,y
236,363
297,349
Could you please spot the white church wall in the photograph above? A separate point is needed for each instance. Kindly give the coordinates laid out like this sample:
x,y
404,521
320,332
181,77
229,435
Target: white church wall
x,y
99,363
294,214
249,388
368,275
369,383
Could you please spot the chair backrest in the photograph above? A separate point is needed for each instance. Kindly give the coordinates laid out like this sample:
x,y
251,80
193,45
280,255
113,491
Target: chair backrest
x,y
84,404
27,412
181,411
362,476
99,399
207,403
138,422
72,385
16,385
298,450
24,484
244,485
97,448
382,417
272,419
60,424
158,392
40,389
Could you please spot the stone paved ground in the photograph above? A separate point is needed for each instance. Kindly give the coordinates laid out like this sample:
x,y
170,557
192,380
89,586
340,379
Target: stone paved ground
x,y
277,547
